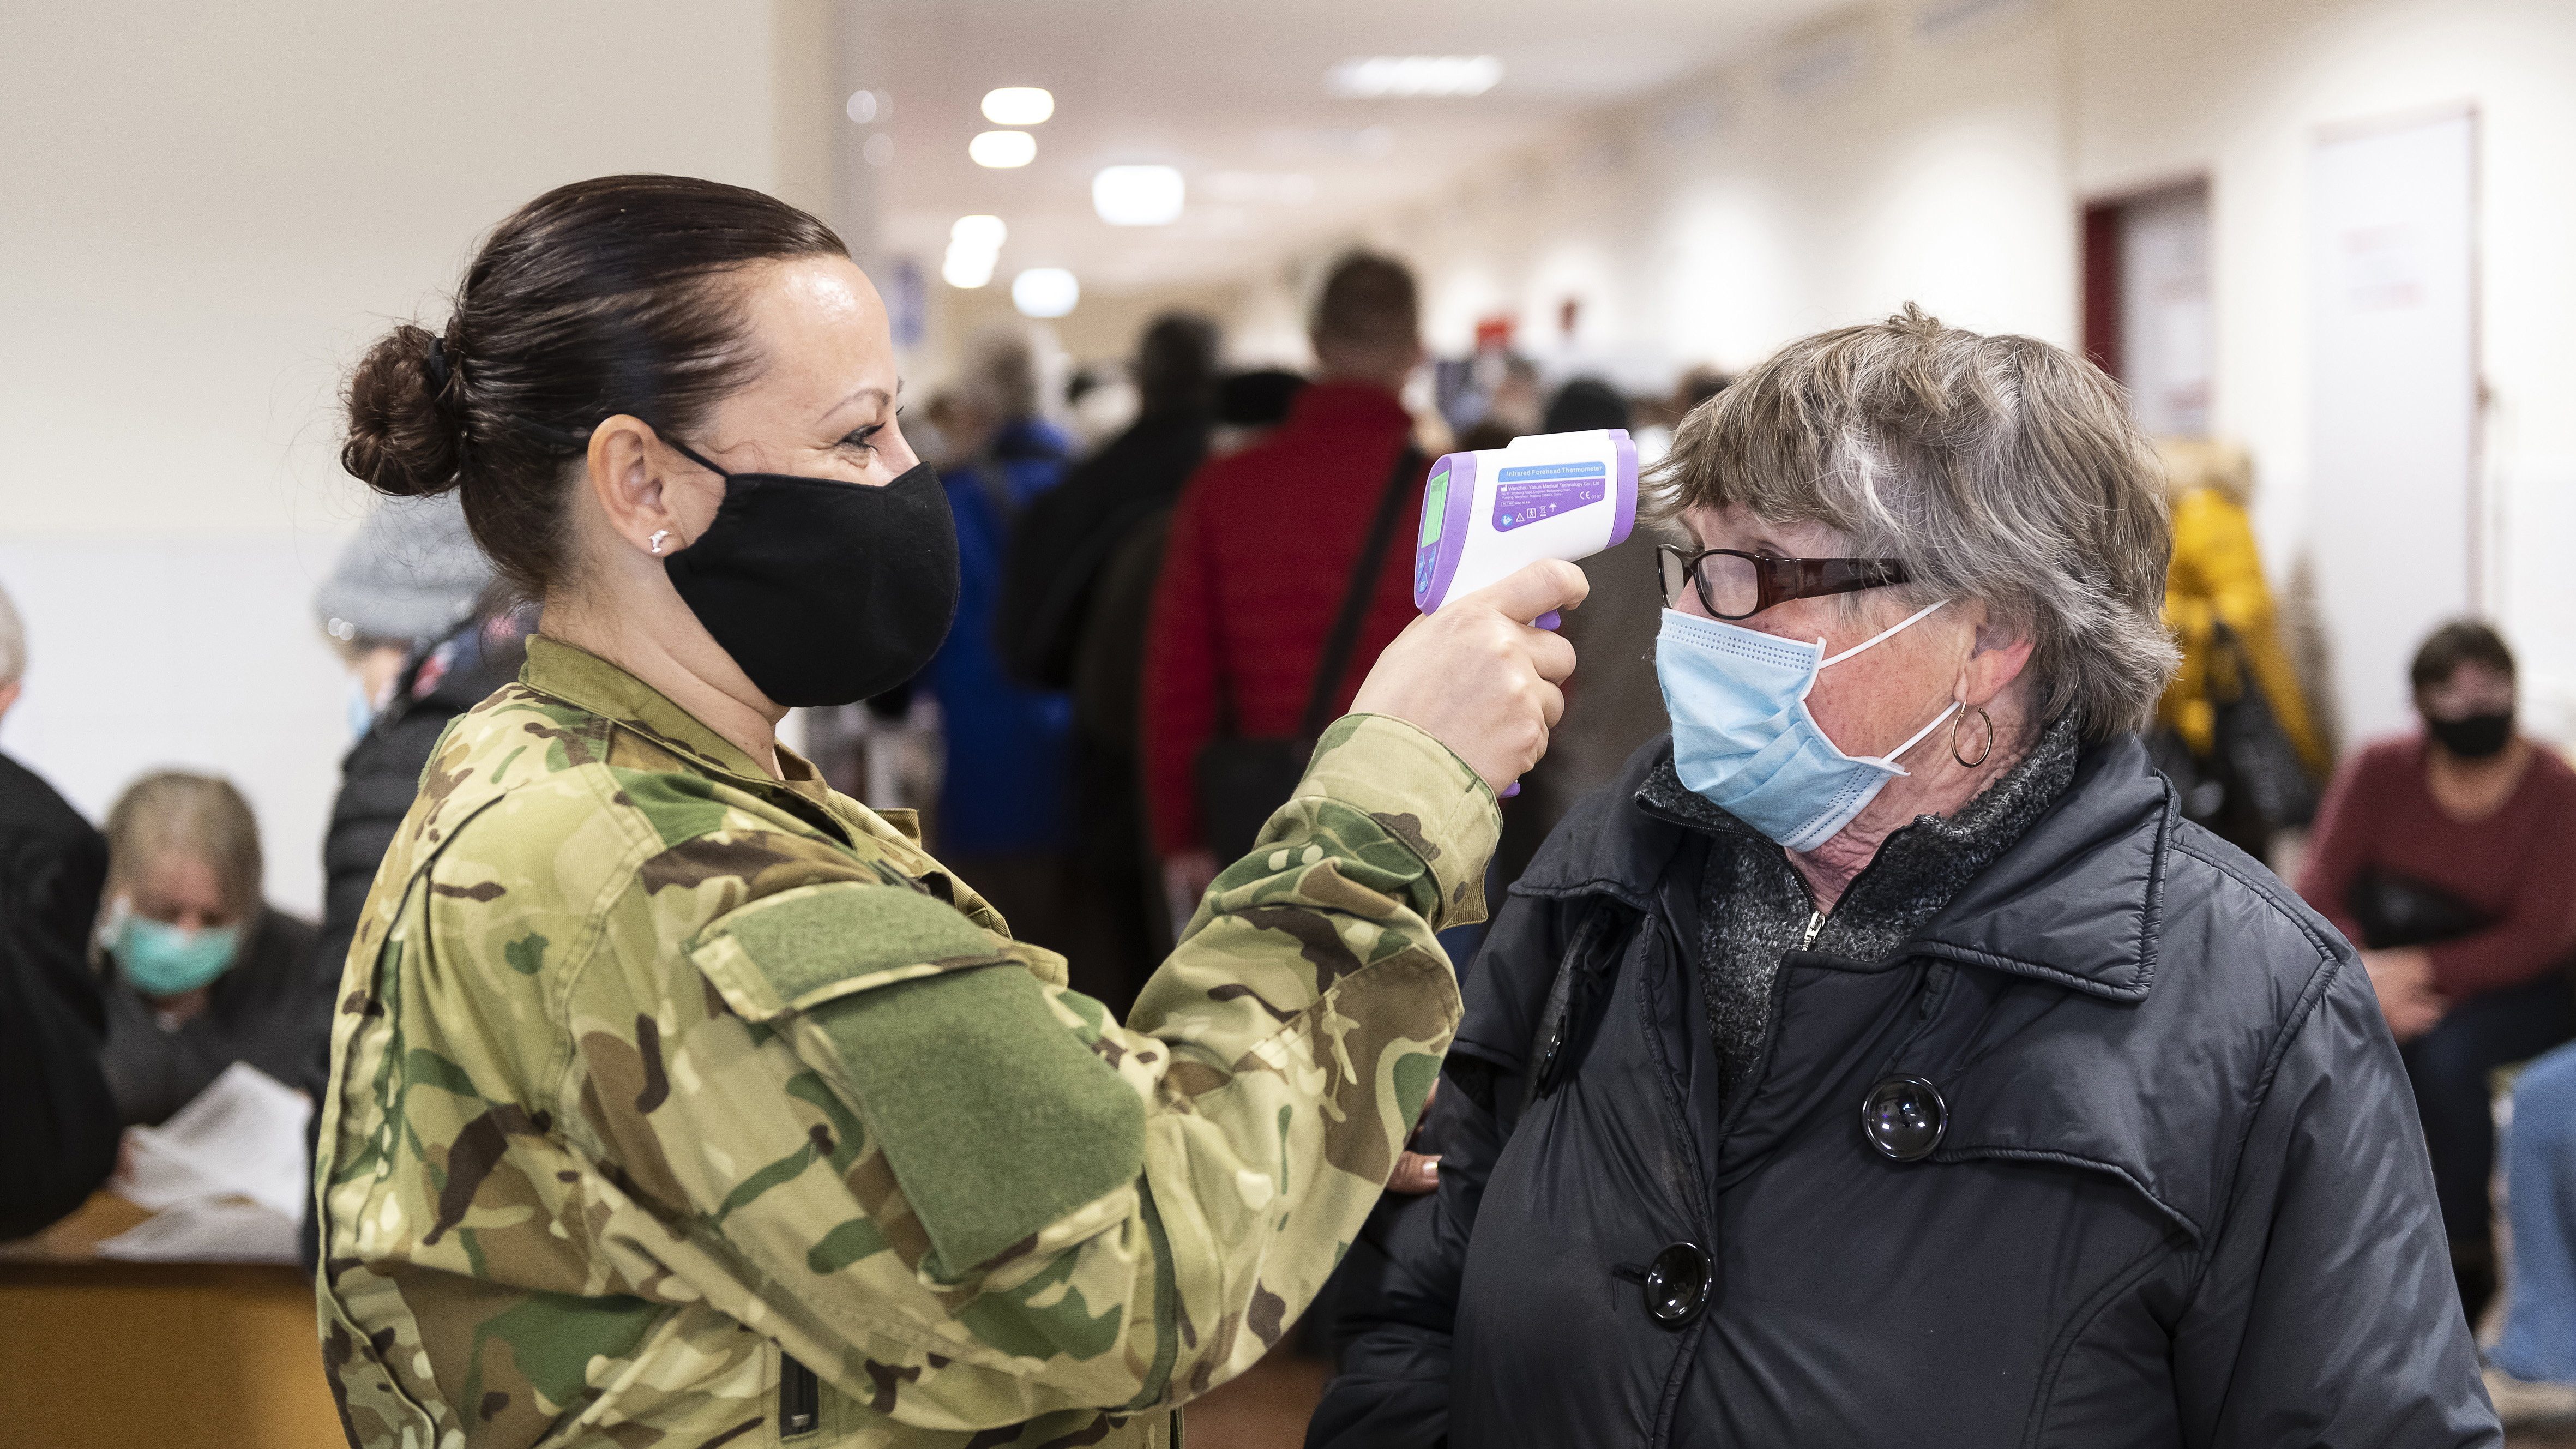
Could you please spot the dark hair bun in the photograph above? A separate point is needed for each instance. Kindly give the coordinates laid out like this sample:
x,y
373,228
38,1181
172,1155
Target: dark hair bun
x,y
402,440
596,299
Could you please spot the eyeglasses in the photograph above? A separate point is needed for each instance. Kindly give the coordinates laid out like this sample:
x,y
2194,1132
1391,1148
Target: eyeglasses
x,y
1735,585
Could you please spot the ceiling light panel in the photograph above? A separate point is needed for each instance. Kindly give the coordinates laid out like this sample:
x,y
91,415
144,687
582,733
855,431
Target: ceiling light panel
x,y
979,233
1002,150
1045,292
1374,77
1138,195
1018,106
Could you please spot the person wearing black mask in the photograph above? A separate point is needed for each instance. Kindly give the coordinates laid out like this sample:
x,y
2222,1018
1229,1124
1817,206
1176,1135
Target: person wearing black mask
x,y
675,1096
2450,857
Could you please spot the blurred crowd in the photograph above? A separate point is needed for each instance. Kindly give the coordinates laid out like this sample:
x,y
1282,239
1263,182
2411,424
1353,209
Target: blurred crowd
x,y
1170,592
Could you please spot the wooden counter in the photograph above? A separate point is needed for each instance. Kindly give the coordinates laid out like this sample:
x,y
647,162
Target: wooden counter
x,y
171,1355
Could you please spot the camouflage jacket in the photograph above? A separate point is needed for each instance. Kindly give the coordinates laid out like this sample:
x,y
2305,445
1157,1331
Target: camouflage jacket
x,y
672,1104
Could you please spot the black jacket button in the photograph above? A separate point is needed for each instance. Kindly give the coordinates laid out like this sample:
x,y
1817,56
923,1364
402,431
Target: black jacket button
x,y
1904,1117
1677,1284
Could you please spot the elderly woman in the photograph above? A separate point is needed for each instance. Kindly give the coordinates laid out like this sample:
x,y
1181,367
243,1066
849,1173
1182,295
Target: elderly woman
x,y
202,972
1880,1060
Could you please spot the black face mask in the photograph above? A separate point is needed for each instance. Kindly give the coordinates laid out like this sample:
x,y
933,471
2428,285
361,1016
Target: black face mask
x,y
824,592
2475,737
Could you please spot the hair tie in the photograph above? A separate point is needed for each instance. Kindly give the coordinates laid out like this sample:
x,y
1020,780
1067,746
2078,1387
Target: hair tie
x,y
434,363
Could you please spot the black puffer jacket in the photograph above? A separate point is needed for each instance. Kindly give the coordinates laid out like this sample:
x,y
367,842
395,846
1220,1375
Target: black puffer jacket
x,y
2178,1197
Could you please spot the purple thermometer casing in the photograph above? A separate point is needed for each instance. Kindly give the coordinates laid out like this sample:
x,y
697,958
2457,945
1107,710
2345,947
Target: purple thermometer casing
x,y
1448,503
1448,497
1448,511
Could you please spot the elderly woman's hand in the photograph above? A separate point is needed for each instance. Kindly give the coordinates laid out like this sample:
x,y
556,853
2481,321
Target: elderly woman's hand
x,y
1417,1172
2403,978
1477,677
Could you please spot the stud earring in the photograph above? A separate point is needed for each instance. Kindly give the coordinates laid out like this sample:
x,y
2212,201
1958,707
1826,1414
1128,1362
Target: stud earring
x,y
659,534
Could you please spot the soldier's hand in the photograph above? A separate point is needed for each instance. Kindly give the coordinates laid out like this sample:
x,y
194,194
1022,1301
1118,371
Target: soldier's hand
x,y
1477,677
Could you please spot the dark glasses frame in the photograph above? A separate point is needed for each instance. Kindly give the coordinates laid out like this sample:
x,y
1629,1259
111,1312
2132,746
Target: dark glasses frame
x,y
1778,580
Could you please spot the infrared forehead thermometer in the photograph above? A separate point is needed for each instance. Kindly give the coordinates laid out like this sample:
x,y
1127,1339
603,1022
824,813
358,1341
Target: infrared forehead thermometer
x,y
1549,495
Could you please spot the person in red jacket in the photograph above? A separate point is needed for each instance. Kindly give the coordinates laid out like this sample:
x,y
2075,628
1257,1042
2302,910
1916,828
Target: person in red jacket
x,y
1261,549
2449,857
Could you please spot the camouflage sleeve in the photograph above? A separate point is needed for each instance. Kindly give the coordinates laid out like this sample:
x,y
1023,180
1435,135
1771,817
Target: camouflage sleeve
x,y
891,1139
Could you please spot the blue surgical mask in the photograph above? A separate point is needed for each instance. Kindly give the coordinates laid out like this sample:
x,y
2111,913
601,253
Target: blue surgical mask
x,y
1744,739
160,959
361,709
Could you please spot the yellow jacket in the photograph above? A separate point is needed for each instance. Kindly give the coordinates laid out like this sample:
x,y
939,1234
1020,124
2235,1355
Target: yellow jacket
x,y
2217,577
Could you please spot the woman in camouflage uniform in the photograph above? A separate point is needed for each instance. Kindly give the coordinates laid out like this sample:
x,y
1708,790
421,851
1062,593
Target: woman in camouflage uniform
x,y
679,1100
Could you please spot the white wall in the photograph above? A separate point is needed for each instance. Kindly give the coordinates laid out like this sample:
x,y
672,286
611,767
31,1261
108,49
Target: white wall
x,y
210,210
2241,92
1840,173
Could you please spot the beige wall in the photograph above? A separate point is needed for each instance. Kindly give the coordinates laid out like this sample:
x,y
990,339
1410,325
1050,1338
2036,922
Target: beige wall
x,y
1718,220
209,211
2239,92
212,209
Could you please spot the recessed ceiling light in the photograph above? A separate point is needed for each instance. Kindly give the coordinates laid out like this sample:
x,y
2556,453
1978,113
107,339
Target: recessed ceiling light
x,y
979,233
1018,106
869,107
1372,76
878,149
1045,292
1138,195
1003,149
966,268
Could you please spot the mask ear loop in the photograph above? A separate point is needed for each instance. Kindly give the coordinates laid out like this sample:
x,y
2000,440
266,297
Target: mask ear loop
x,y
1899,627
1891,756
691,454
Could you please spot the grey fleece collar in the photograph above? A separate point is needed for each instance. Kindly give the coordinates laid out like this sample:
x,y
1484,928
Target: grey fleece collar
x,y
1754,908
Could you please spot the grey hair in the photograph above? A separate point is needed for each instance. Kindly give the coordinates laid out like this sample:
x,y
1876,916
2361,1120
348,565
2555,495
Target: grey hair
x,y
1998,468
196,815
13,643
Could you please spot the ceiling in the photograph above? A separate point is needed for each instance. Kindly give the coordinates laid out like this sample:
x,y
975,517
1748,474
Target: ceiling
x,y
1232,92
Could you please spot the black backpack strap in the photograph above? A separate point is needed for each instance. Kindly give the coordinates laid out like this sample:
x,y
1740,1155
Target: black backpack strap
x,y
1336,660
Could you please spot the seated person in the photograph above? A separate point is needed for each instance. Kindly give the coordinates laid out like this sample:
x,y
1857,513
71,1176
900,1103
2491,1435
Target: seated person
x,y
1878,1061
2449,857
2531,1374
202,973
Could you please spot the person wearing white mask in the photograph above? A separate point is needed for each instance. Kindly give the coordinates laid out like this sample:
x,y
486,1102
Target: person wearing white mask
x,y
1882,1059
201,971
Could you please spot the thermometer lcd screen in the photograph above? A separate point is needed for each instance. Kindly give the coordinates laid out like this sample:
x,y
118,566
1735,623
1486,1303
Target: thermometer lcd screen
x,y
1435,504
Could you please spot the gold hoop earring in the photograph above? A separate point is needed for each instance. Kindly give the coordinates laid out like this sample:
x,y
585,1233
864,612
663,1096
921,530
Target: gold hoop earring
x,y
1983,755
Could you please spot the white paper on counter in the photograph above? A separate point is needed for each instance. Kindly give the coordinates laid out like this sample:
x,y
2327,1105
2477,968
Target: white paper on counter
x,y
207,1230
242,1137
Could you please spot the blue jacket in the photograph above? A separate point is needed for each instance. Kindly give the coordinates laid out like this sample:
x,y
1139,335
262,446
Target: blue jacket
x,y
1006,783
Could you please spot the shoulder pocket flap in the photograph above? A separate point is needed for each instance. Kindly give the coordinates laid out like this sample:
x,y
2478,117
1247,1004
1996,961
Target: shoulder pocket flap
x,y
997,1118
799,948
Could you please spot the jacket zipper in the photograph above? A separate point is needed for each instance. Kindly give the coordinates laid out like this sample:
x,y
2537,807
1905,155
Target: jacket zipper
x,y
1815,923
